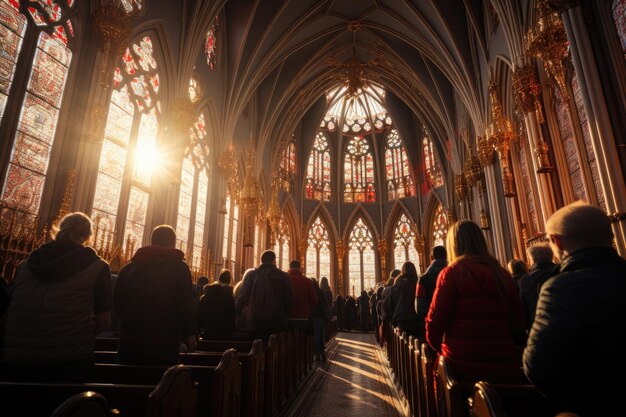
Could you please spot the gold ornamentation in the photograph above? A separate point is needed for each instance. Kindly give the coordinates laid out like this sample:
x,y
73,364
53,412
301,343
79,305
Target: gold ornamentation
x,y
547,40
227,167
249,194
113,28
472,170
485,151
66,203
382,252
460,186
500,134
420,247
526,88
541,153
484,220
340,250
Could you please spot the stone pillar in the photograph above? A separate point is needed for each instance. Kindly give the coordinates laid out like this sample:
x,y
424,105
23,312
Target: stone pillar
x,y
340,250
602,138
382,253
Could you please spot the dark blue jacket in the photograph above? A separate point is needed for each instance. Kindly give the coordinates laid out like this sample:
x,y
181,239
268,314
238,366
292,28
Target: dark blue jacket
x,y
575,351
530,285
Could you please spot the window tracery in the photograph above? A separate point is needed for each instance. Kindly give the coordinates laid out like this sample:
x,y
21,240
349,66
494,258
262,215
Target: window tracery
x,y
361,258
210,44
440,227
357,114
42,100
282,244
404,243
287,168
359,172
318,251
619,15
129,144
399,181
317,184
431,164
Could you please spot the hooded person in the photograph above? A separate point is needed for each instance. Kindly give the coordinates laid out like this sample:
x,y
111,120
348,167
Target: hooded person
x,y
153,298
60,299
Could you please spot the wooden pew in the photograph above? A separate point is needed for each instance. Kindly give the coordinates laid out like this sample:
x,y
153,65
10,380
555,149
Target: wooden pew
x,y
175,395
85,404
252,369
428,359
508,400
219,387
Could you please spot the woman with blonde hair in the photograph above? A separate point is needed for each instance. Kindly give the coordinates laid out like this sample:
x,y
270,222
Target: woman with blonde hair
x,y
476,315
60,300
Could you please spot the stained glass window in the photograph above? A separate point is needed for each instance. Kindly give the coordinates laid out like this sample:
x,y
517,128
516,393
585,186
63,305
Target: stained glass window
x,y
399,181
193,195
281,245
36,128
359,112
359,172
210,44
12,28
361,259
132,6
317,185
195,90
404,241
130,139
440,227
287,168
231,224
619,14
318,251
431,164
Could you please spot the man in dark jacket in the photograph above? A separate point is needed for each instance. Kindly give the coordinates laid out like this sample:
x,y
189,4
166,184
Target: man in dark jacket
x,y
154,300
216,309
540,257
426,286
268,294
575,347
305,297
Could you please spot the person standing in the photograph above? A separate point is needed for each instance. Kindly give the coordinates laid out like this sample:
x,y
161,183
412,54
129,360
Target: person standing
x,y
339,306
60,300
319,318
476,311
154,300
400,303
364,306
575,346
325,287
305,298
426,286
542,268
216,309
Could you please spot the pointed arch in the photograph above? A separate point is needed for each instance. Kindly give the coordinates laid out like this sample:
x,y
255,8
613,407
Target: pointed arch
x,y
361,245
434,207
359,211
401,232
317,183
359,171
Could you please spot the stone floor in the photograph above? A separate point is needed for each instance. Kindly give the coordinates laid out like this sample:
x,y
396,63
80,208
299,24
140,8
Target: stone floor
x,y
354,381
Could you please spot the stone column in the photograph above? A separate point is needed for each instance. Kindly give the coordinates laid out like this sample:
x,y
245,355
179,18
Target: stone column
x,y
382,253
340,250
602,138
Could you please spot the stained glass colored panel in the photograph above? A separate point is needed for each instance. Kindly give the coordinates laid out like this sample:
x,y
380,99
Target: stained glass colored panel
x,y
22,189
399,181
130,5
318,170
30,153
136,216
12,28
404,243
318,251
369,269
311,262
145,152
354,272
119,124
233,247
104,221
121,98
284,255
361,242
210,44
431,165
440,227
324,266
145,54
112,159
38,118
359,172
107,194
51,8
182,231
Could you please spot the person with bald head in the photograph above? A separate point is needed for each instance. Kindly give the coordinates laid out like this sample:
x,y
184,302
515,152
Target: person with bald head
x,y
574,347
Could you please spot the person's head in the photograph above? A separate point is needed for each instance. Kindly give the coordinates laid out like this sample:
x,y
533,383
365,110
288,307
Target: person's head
x,y
202,281
539,252
225,277
324,284
363,293
394,274
517,267
163,235
73,229
390,282
295,264
466,238
408,268
379,291
438,252
578,226
315,283
268,257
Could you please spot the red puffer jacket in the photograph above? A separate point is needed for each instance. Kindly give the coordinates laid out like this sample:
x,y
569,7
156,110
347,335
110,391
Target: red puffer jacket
x,y
473,316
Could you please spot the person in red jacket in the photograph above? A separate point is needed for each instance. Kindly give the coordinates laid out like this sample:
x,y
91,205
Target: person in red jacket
x,y
476,315
305,297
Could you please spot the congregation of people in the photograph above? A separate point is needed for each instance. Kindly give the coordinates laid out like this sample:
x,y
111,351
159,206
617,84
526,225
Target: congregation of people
x,y
562,310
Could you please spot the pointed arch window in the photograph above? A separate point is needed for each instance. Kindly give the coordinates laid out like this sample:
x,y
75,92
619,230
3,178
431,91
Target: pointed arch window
x,y
361,258
399,181
440,227
192,200
210,44
432,168
359,172
287,168
38,98
619,15
231,228
317,185
404,243
129,151
282,244
318,251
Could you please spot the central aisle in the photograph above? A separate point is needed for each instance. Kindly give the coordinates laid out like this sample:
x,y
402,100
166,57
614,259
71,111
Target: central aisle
x,y
353,382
